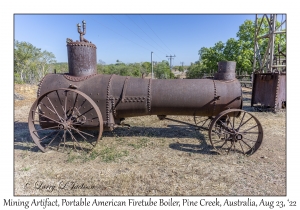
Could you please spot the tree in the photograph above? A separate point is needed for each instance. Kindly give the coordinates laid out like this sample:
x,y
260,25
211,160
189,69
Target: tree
x,y
241,49
61,67
210,57
162,70
30,63
195,71
180,68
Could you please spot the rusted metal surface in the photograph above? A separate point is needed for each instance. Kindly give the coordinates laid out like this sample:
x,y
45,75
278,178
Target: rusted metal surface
x,y
269,91
78,79
119,97
226,70
85,100
82,57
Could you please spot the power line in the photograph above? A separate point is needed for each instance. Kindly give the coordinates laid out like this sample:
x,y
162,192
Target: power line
x,y
155,33
121,35
135,33
146,33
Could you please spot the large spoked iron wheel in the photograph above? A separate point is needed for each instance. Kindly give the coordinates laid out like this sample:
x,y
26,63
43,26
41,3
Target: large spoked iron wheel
x,y
235,130
65,119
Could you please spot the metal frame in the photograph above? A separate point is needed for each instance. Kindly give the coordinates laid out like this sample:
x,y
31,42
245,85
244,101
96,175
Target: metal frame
x,y
266,64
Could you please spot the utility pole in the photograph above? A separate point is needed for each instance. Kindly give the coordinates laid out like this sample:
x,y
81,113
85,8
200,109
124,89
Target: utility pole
x,y
182,65
151,66
171,57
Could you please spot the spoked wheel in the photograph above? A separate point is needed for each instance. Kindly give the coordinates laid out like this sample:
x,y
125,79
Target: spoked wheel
x,y
65,119
202,122
235,130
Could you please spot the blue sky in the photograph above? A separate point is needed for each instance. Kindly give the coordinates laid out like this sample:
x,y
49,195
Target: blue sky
x,y
130,37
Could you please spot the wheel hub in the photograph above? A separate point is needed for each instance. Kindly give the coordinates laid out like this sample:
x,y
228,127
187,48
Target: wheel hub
x,y
238,137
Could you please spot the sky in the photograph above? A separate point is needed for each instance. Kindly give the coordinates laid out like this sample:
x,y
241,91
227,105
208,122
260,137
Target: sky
x,y
131,38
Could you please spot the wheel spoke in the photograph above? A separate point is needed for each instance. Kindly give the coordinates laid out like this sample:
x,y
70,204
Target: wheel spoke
x,y
48,108
39,121
230,147
246,143
53,107
248,139
225,142
45,136
58,97
223,130
82,132
49,128
250,132
241,121
242,148
46,116
81,105
66,98
222,140
85,112
75,102
230,123
245,122
78,132
74,139
249,128
52,139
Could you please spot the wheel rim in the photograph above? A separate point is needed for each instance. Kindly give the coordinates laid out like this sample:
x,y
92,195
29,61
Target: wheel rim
x,y
65,119
237,131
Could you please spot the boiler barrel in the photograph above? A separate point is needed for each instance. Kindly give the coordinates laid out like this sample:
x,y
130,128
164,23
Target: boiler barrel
x,y
201,97
121,97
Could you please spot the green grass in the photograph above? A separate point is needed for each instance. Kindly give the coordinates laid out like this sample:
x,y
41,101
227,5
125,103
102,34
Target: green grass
x,y
26,169
108,154
140,143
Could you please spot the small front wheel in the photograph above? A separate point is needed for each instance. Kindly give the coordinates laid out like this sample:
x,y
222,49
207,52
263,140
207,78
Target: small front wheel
x,y
235,130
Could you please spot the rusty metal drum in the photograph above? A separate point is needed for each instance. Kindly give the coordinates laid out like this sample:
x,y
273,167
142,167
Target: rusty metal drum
x,y
82,58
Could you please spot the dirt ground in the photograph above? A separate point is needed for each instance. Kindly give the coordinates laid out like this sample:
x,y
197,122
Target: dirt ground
x,y
153,157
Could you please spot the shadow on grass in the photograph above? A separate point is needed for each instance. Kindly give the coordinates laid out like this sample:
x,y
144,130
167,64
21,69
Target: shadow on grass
x,y
202,148
23,140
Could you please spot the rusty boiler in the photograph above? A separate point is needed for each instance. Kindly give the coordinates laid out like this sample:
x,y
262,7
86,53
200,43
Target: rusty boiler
x,y
73,109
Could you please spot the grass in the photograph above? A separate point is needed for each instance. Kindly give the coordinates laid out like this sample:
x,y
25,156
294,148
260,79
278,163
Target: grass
x,y
26,169
107,154
140,143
